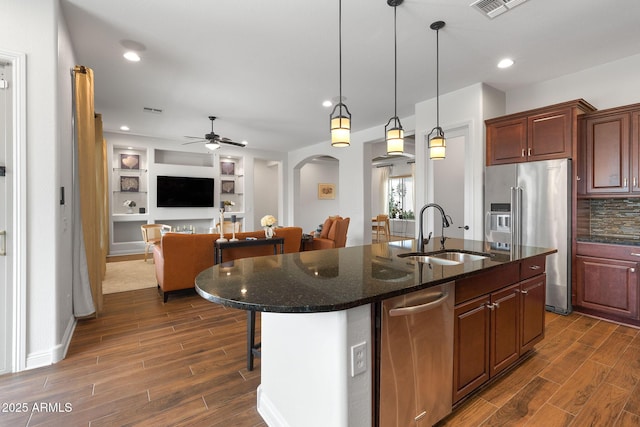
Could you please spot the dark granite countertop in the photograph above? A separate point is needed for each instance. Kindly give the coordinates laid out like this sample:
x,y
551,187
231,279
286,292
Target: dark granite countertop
x,y
627,241
339,279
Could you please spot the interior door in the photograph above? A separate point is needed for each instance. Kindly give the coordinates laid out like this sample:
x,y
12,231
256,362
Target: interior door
x,y
449,181
6,277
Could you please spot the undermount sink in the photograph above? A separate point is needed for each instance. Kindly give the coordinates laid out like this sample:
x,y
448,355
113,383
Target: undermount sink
x,y
445,257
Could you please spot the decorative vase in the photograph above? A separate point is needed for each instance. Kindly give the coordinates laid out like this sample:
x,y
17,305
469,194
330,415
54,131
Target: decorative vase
x,y
268,232
129,210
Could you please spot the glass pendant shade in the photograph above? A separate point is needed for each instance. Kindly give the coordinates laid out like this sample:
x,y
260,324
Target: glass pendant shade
x,y
437,148
394,137
340,127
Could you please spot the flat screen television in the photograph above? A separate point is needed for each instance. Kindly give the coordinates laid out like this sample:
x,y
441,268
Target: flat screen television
x,y
184,192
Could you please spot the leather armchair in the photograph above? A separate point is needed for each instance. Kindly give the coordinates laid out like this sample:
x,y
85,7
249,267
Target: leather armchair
x,y
334,234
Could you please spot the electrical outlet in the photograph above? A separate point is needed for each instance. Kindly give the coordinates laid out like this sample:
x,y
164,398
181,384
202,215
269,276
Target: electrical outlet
x,y
359,359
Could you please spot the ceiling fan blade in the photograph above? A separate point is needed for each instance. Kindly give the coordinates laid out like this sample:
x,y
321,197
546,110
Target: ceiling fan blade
x,y
198,140
230,142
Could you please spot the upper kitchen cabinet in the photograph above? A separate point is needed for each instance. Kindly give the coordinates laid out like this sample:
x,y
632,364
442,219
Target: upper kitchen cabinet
x,y
540,134
610,149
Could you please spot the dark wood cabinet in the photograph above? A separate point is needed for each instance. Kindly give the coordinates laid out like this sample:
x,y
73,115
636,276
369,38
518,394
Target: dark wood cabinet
x,y
471,346
532,305
610,141
505,328
607,281
540,134
493,330
507,141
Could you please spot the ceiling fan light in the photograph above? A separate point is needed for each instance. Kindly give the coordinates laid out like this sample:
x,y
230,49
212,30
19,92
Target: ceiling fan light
x,y
212,145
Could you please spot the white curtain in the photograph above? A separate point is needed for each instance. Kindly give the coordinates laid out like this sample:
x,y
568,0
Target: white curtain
x,y
383,200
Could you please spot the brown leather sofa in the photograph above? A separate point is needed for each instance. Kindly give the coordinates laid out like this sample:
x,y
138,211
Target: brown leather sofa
x,y
179,258
333,235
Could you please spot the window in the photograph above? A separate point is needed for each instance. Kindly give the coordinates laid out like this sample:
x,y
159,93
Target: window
x,y
400,196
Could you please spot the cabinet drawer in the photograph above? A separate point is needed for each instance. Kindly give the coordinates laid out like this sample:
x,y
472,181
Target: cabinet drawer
x,y
487,282
532,266
602,250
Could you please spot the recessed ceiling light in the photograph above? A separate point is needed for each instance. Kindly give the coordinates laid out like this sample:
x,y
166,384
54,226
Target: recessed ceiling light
x,y
327,103
124,128
505,63
131,56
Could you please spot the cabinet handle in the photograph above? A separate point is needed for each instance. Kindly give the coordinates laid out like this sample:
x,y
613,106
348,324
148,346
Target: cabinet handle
x,y
529,152
523,152
624,183
405,311
535,267
632,270
634,254
578,178
493,306
635,182
524,292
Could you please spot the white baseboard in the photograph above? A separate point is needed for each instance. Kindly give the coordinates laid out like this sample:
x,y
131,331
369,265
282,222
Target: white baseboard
x,y
268,411
56,353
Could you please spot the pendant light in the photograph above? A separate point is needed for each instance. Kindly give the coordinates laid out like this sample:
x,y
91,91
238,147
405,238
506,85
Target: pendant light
x,y
437,142
393,132
340,117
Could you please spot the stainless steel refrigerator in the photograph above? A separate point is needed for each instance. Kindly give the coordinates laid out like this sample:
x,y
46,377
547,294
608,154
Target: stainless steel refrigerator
x,y
530,204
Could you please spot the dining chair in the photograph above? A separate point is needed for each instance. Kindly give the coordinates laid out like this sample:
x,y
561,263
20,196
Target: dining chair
x,y
151,235
381,226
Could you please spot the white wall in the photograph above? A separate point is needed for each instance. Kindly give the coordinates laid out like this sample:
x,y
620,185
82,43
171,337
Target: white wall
x,y
310,211
605,86
266,191
31,28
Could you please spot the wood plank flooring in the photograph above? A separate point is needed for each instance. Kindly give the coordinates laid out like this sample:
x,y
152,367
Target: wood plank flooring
x,y
145,363
585,372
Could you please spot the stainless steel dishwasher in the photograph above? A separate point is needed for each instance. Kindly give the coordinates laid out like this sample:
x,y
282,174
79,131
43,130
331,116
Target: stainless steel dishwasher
x,y
416,357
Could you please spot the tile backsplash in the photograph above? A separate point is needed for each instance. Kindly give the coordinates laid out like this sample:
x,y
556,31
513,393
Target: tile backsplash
x,y
615,218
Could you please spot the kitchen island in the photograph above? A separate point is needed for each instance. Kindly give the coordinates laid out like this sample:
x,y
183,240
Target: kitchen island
x,y
318,333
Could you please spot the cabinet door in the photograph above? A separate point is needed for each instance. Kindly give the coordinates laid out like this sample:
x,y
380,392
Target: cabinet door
x,y
532,298
505,328
470,347
607,150
507,142
549,136
607,285
635,152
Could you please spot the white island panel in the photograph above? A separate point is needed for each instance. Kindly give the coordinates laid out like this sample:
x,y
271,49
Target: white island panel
x,y
306,369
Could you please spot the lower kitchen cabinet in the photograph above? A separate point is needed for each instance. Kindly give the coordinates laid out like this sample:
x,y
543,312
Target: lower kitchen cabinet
x,y
532,303
608,286
492,331
471,332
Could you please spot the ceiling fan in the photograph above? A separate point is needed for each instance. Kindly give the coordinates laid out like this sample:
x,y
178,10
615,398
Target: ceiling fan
x,y
212,140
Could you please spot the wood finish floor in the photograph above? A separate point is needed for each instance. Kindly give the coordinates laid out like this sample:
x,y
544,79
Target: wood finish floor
x,y
183,363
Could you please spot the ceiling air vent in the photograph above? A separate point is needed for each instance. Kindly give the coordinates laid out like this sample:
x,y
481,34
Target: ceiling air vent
x,y
152,110
493,8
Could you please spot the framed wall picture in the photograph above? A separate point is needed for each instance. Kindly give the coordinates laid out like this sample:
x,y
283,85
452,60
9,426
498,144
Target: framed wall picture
x,y
227,187
129,161
227,168
130,184
326,191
